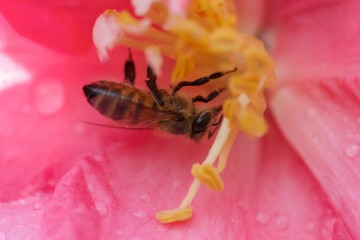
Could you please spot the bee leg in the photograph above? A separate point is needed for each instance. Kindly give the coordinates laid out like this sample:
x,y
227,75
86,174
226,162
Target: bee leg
x,y
200,81
154,90
129,70
210,97
216,126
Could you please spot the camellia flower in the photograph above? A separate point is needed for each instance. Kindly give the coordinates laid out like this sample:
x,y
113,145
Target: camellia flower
x,y
62,179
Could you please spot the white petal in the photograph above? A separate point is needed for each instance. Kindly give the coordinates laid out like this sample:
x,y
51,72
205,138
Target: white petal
x,y
141,7
106,34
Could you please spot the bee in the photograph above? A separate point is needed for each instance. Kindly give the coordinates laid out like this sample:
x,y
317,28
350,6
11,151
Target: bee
x,y
156,109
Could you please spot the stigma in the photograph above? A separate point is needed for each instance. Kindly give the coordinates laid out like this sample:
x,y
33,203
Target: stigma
x,y
201,37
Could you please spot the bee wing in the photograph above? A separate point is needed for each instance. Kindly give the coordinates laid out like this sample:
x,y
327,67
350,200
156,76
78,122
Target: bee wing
x,y
116,126
148,117
146,121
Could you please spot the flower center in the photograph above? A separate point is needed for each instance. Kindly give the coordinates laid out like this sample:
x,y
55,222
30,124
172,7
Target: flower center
x,y
201,40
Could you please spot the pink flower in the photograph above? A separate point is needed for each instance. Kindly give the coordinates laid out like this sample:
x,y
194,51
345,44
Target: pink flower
x,y
62,179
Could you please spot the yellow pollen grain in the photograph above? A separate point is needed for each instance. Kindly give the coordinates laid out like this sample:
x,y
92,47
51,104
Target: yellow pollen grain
x,y
207,175
174,215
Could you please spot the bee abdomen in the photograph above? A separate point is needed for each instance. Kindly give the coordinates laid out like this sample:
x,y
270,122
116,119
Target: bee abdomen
x,y
114,100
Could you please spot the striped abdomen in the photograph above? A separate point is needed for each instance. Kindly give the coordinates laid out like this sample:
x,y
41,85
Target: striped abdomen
x,y
121,102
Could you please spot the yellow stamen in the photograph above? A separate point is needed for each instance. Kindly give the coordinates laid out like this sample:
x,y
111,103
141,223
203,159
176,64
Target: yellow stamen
x,y
223,140
204,41
175,215
208,176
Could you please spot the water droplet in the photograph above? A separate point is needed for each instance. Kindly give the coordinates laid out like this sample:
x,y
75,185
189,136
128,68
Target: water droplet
x,y
49,97
243,205
22,201
144,196
102,208
282,222
79,209
312,112
2,236
90,187
37,226
79,128
331,134
176,183
97,158
262,218
352,150
315,140
310,226
140,214
36,206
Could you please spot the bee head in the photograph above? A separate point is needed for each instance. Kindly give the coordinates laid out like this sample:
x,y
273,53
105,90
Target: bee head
x,y
201,124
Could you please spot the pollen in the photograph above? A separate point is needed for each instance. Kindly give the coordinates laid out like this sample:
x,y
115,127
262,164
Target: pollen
x,y
175,215
207,175
201,39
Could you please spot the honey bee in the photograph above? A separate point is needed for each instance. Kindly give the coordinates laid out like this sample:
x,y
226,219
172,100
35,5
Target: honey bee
x,y
156,108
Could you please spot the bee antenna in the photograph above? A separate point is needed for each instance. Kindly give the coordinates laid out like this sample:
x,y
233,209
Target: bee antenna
x,y
130,54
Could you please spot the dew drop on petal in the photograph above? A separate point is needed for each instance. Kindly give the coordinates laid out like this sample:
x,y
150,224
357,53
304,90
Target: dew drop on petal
x,y
37,226
312,112
49,97
262,218
79,128
36,206
144,196
243,205
140,214
310,226
282,222
315,140
175,183
352,150
102,209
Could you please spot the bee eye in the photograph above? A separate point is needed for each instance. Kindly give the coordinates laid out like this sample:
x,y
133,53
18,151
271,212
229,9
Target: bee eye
x,y
201,122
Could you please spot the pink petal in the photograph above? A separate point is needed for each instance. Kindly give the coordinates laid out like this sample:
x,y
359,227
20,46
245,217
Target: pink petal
x,y
63,25
41,133
314,38
22,219
268,192
324,129
320,115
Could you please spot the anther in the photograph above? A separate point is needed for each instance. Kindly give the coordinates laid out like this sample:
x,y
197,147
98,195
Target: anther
x,y
208,176
174,215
